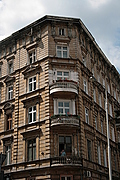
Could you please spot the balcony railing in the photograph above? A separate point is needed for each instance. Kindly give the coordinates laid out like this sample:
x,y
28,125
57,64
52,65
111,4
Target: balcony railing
x,y
64,85
64,120
66,160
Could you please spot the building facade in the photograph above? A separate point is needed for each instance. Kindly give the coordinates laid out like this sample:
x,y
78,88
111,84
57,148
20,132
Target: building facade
x,y
53,78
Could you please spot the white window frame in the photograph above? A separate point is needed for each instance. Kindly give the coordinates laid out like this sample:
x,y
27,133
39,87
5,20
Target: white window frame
x,y
62,76
31,113
62,50
85,86
64,107
32,56
87,115
10,92
71,105
32,83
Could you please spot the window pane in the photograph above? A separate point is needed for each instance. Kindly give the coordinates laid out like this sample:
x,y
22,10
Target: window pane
x,y
60,104
61,139
60,111
59,73
66,111
66,74
64,54
66,104
62,178
68,139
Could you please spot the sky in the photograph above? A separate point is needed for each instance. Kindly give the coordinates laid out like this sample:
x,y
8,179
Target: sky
x,y
101,17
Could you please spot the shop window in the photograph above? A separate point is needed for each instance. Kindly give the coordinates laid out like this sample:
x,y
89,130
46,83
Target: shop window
x,y
31,150
65,143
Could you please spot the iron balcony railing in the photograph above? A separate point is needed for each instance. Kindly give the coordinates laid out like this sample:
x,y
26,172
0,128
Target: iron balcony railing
x,y
72,160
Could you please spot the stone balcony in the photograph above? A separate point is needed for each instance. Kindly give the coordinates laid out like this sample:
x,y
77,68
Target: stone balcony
x,y
66,160
64,86
71,120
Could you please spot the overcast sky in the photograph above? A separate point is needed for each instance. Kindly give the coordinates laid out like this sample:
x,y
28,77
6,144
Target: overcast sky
x,y
101,17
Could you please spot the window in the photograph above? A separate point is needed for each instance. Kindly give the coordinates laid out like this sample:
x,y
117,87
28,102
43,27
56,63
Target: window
x,y
85,86
98,78
93,71
31,149
62,51
99,156
61,32
84,61
108,88
96,122
9,121
32,114
114,94
103,82
63,75
32,84
10,66
65,142
32,57
99,99
63,177
8,155
102,127
10,92
104,155
110,109
63,107
94,95
89,150
87,115
113,133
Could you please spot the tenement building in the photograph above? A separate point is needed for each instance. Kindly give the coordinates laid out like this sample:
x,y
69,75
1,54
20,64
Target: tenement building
x,y
54,84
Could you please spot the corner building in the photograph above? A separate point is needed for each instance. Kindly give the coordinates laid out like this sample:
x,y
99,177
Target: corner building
x,y
53,78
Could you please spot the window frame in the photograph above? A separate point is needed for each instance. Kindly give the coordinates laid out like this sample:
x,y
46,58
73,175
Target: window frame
x,y
8,154
32,148
85,86
64,107
89,149
32,83
32,56
62,77
61,32
31,114
61,50
10,92
67,146
104,156
87,115
99,154
113,133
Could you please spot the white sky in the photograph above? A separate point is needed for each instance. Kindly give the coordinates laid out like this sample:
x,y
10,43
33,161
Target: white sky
x,y
101,17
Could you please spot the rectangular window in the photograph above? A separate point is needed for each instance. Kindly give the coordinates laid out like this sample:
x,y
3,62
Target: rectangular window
x,y
9,121
8,155
32,84
65,143
110,109
87,115
84,61
62,51
31,150
99,99
61,32
96,122
32,114
62,75
63,177
10,92
94,95
113,133
105,158
99,156
10,67
63,107
89,150
85,86
32,57
102,127
108,88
